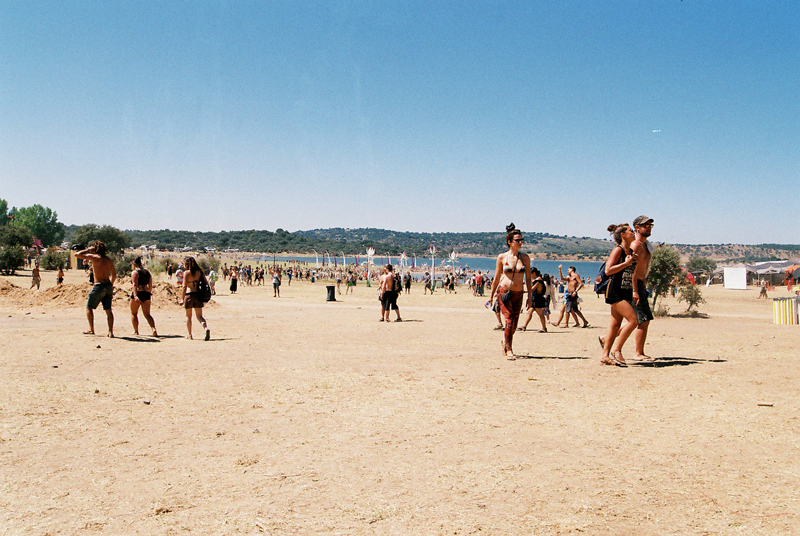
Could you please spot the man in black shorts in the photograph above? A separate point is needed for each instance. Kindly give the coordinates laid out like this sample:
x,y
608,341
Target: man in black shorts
x,y
642,253
389,290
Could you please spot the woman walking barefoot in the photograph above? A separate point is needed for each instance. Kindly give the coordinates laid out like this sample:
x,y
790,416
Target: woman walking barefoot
x,y
540,298
191,298
140,296
619,294
511,279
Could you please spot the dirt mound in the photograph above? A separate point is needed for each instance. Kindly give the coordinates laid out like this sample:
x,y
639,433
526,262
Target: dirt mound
x,y
165,295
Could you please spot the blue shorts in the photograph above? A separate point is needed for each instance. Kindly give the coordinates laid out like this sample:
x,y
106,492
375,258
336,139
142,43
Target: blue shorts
x,y
101,292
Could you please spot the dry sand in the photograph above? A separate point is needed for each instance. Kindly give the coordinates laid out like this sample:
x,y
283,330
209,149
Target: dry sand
x,y
307,417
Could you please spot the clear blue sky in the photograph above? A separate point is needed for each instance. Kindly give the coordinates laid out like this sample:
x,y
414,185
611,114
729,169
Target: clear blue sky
x,y
414,116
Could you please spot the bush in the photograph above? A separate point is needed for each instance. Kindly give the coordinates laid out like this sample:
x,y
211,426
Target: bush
x,y
159,266
690,294
11,258
53,261
123,264
208,263
661,311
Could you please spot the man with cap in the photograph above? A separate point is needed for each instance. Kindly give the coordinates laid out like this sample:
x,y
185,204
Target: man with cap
x,y
642,252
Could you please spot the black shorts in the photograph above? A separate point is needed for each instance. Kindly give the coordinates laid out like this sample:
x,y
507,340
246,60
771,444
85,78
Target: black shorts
x,y
643,312
389,300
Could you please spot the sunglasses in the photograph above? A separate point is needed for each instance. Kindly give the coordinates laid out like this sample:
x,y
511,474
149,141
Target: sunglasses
x,y
647,225
518,240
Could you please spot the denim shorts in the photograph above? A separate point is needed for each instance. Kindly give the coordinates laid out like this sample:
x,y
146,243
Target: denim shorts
x,y
101,292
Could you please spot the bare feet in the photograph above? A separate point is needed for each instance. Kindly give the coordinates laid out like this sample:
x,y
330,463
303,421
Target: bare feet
x,y
155,334
110,335
606,360
643,357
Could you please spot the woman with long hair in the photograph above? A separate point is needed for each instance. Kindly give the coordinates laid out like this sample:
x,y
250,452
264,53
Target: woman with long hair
x,y
511,280
191,297
619,294
140,296
539,293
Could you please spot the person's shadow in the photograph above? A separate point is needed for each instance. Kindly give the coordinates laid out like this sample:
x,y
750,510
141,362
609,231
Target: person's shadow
x,y
660,362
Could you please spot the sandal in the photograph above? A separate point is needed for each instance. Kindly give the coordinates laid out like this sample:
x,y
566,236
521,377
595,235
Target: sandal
x,y
498,327
616,355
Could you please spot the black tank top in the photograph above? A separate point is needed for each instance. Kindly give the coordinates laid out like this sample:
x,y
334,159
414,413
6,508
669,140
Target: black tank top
x,y
620,285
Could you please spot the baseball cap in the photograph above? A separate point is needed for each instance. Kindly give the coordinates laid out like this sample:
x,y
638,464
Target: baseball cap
x,y
642,220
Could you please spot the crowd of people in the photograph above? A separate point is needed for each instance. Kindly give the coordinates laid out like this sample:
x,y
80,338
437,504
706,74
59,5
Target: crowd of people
x,y
515,282
515,288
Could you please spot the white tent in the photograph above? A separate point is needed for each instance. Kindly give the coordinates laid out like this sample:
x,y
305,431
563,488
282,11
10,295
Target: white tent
x,y
735,277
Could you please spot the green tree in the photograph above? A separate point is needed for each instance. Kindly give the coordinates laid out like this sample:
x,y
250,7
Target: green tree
x,y
114,239
42,222
690,294
4,216
701,264
665,271
11,258
15,235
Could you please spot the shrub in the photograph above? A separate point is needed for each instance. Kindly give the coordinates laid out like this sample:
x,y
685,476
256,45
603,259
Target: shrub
x,y
208,263
53,261
11,258
661,311
123,264
690,294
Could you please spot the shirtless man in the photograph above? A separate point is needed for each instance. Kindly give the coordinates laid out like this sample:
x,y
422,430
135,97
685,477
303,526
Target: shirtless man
x,y
36,279
642,253
388,294
103,290
570,305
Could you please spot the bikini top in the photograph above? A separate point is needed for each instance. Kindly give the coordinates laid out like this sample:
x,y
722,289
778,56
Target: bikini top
x,y
507,268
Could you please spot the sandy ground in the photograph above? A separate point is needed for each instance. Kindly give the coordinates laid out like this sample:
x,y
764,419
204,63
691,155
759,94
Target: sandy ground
x,y
307,417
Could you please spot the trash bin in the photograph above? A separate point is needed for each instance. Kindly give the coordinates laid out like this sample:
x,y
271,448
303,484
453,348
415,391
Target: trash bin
x,y
331,292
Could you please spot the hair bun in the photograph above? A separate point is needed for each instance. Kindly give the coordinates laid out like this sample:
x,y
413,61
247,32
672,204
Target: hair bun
x,y
612,228
510,227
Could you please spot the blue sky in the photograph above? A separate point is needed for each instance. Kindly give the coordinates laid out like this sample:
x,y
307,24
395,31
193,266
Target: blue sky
x,y
562,117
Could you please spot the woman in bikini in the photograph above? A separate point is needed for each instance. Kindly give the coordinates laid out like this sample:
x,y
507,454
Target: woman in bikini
x,y
191,298
140,296
619,294
539,289
512,278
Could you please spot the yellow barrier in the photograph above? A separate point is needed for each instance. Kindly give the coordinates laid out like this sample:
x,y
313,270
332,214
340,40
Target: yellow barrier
x,y
785,311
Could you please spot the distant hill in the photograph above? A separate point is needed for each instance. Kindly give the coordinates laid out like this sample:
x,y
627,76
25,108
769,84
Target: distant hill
x,y
356,241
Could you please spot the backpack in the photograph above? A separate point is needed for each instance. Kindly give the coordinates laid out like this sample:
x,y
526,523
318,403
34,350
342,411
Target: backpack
x,y
203,290
397,285
601,281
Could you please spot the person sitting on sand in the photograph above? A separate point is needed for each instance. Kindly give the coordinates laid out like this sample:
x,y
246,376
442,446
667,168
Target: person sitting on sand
x,y
140,297
104,275
191,299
